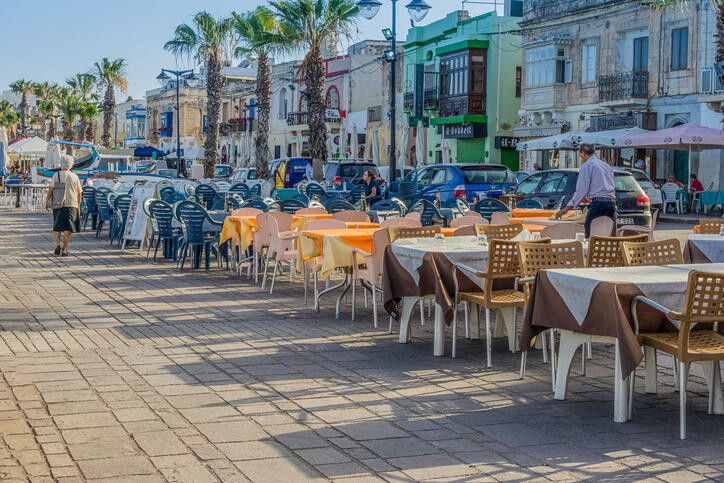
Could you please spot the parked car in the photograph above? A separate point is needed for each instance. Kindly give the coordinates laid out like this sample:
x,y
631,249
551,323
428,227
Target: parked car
x,y
466,181
288,172
652,190
223,172
400,172
554,188
349,172
521,175
245,175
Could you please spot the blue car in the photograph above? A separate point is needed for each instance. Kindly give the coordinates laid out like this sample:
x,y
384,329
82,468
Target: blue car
x,y
464,181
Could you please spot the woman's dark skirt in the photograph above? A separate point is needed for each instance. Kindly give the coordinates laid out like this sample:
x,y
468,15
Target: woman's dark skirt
x,y
66,219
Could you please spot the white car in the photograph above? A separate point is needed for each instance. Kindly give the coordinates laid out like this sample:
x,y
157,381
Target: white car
x,y
652,190
245,175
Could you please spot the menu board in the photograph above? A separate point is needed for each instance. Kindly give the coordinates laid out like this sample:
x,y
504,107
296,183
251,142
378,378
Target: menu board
x,y
137,221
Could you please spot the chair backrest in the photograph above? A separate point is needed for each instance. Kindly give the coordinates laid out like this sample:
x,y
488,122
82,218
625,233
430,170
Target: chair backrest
x,y
241,188
654,217
468,230
529,203
262,234
469,220
275,206
326,224
703,304
652,253
670,191
562,231
606,251
167,190
335,205
315,190
386,205
301,197
122,203
407,190
222,185
458,204
311,211
486,207
316,204
284,220
207,194
351,215
255,190
602,226
498,232
189,189
293,206
413,215
709,226
89,198
429,214
544,255
503,259
398,232
246,212
499,218
146,207
192,217
400,203
254,203
162,212
302,187
408,222
104,208
380,240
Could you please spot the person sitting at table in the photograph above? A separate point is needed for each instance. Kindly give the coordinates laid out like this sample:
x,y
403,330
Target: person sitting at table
x,y
595,182
672,179
695,184
66,219
372,186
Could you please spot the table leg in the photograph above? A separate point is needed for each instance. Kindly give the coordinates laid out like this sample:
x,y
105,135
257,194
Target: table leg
x,y
713,381
27,197
620,391
569,343
17,197
439,334
327,290
473,320
408,304
508,315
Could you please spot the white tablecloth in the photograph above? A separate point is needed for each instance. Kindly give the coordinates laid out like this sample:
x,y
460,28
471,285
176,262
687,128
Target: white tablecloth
x,y
712,246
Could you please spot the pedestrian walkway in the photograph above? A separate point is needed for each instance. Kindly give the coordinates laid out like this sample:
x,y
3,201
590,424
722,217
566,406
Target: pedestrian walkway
x,y
116,368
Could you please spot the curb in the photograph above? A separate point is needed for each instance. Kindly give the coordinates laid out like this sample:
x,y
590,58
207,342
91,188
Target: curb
x,y
674,219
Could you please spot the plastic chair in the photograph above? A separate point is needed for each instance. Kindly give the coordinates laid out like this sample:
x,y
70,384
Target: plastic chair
x,y
162,214
311,211
275,206
562,231
407,190
104,210
121,204
255,190
189,189
254,203
293,205
530,204
606,251
671,194
710,226
488,206
335,205
649,230
399,232
90,207
222,185
408,222
458,204
386,205
192,217
246,212
351,216
601,226
314,190
282,247
357,194
499,218
468,220
429,214
368,267
262,236
300,197
498,232
652,253
207,194
166,192
315,264
241,188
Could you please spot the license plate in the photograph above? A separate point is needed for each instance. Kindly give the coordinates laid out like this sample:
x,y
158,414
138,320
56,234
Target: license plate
x,y
625,221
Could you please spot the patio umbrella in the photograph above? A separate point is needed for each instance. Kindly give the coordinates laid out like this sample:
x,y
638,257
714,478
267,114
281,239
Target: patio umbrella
x,y
404,145
329,141
376,145
354,142
342,142
420,145
252,150
679,138
4,159
445,151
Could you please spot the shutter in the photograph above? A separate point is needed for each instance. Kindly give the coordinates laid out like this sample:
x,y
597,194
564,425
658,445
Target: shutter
x,y
568,72
470,151
706,78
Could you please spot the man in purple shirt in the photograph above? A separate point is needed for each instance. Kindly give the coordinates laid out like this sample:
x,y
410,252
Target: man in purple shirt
x,y
595,182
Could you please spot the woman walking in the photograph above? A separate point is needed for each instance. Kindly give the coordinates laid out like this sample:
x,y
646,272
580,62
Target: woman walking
x,y
66,208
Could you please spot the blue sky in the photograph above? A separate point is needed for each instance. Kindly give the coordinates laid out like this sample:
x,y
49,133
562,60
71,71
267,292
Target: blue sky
x,y
53,40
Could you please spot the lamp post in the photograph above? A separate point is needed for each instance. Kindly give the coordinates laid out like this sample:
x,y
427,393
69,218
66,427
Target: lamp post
x,y
417,9
180,74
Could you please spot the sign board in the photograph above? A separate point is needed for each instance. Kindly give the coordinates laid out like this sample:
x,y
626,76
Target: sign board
x,y
506,142
137,218
419,89
467,130
643,120
332,114
180,152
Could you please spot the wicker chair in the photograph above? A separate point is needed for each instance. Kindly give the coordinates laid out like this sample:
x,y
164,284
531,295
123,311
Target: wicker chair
x,y
704,304
538,256
399,232
498,232
503,263
707,226
664,252
606,251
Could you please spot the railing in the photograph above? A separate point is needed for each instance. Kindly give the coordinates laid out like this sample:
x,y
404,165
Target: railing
x,y
294,118
624,85
238,125
408,103
430,98
711,82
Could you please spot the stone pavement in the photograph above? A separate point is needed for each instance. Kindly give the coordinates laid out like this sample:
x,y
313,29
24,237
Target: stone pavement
x,y
116,368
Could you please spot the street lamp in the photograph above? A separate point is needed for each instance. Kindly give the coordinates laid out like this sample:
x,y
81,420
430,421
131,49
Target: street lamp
x,y
417,9
180,74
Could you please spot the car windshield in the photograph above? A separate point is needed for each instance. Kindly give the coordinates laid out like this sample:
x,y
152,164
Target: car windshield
x,y
222,171
639,176
252,174
624,182
352,170
487,175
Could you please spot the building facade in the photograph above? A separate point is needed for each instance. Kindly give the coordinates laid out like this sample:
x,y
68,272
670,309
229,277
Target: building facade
x,y
462,82
596,65
135,128
237,113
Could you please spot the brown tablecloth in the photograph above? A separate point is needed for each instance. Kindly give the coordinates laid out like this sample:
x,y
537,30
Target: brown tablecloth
x,y
609,314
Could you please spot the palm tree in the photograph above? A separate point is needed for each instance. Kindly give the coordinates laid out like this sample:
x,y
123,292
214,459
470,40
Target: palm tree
x,y
207,40
308,24
46,91
110,75
69,104
255,30
87,113
23,87
9,118
83,85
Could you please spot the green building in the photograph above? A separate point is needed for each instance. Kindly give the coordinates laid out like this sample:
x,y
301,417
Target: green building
x,y
463,80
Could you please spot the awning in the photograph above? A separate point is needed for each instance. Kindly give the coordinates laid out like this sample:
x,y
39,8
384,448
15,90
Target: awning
x,y
536,131
572,140
147,152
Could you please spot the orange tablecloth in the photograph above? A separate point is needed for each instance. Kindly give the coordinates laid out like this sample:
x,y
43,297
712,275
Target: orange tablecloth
x,y
529,213
697,228
533,228
239,228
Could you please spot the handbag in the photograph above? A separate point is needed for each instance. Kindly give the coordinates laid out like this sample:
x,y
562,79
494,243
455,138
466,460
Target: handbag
x,y
57,196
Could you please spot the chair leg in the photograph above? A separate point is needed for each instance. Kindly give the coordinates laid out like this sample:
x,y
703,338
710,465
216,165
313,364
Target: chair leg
x,y
683,376
589,351
488,336
675,369
374,305
256,266
155,252
651,373
305,281
266,265
553,358
276,265
422,312
354,295
523,361
544,344
454,330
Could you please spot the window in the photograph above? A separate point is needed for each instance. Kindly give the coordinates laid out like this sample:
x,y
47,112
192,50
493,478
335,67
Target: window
x,y
546,65
454,75
588,63
679,48
423,177
438,176
528,185
554,183
641,54
332,98
203,123
487,175
518,79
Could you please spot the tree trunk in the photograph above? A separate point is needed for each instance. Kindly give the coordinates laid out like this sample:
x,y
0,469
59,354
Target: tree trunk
x,y
90,132
109,105
23,106
314,81
68,135
82,129
263,108
214,84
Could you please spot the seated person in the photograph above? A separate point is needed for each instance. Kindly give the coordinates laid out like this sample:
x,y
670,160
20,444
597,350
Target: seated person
x,y
672,180
372,187
695,184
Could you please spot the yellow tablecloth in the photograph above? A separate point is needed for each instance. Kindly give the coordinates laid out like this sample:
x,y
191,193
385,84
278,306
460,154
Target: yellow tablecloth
x,y
336,245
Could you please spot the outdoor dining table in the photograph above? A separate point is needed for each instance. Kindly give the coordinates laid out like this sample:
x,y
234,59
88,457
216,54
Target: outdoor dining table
x,y
239,228
25,188
704,249
594,305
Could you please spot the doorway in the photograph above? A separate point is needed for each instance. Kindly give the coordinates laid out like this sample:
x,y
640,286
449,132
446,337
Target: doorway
x,y
681,163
